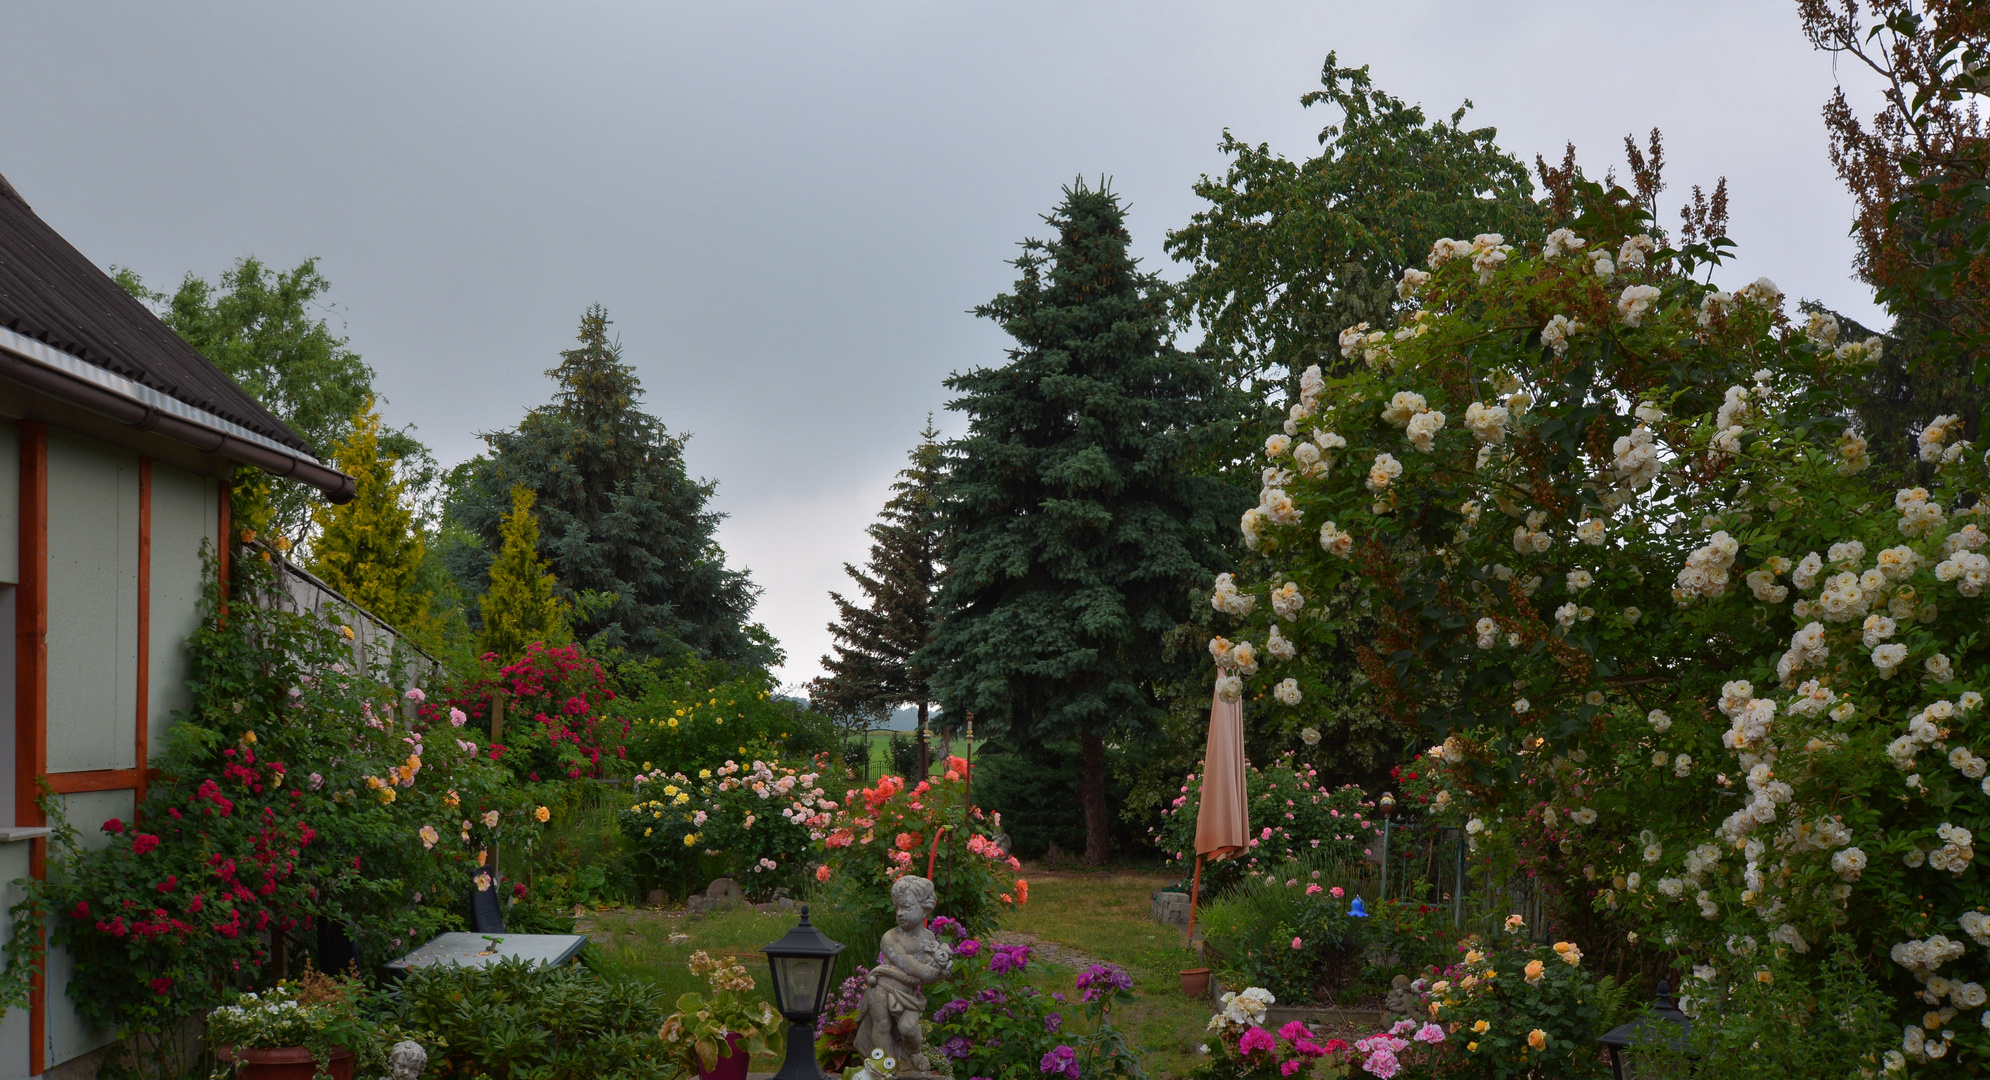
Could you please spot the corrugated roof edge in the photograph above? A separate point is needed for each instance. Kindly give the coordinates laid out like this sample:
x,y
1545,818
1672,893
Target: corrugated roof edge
x,y
70,378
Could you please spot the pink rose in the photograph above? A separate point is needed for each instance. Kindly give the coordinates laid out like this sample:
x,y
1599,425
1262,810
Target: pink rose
x,y
1336,892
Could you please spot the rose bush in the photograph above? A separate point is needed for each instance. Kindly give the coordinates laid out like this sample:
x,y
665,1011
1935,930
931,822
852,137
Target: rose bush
x,y
1293,814
1687,658
882,833
756,823
294,789
556,712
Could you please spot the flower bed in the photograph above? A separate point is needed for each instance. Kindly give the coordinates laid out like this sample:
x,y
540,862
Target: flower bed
x,y
1294,816
754,823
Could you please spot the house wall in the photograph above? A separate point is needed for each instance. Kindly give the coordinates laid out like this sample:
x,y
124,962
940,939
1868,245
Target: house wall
x,y
186,512
123,578
92,605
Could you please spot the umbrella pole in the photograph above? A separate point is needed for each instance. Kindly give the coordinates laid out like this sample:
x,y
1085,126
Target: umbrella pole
x,y
1195,893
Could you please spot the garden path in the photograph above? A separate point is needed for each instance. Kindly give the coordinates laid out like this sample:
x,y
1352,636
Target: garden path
x,y
1061,955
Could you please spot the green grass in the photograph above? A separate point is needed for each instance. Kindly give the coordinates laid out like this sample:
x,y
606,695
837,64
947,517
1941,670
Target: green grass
x,y
1102,915
1106,915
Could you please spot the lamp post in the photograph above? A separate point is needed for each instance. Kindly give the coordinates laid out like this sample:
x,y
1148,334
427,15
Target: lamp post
x,y
1388,805
801,962
1631,1044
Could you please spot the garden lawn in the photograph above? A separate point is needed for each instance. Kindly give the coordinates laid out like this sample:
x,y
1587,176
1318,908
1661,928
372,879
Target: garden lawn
x,y
634,945
1105,915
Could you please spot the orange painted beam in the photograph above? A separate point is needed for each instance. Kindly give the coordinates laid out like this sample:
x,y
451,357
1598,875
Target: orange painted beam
x,y
144,747
69,783
31,691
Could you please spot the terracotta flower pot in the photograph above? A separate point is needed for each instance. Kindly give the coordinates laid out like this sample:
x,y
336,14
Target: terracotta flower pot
x,y
1195,982
285,1063
732,1066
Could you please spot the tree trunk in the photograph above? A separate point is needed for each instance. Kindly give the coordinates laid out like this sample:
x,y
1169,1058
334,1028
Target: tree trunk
x,y
1092,792
925,748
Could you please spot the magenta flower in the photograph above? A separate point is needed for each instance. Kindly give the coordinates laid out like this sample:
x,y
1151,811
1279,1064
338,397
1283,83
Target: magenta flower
x,y
1296,943
1256,1039
1062,1061
1382,1063
1293,1031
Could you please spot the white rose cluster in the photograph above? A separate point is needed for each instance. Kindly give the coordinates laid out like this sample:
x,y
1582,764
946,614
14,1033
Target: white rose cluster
x,y
1918,516
1940,441
1807,648
1705,573
1487,422
1750,716
1977,926
1228,600
1287,692
1969,570
1852,458
1359,342
1634,302
1635,459
1383,472
1924,729
1488,633
1555,335
1924,956
1631,254
1562,242
1279,646
1489,252
1335,542
1762,583
1956,851
1287,601
1849,863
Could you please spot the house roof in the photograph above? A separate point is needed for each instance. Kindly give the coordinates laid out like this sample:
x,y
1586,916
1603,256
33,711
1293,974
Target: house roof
x,y
51,293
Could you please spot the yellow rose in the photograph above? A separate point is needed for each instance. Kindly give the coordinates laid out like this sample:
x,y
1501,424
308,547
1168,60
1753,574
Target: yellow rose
x,y
1472,1046
1535,969
544,815
1537,1039
1481,1027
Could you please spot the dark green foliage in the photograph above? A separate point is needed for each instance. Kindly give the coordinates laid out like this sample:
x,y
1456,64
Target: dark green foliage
x,y
520,1020
1076,531
618,515
1034,785
876,665
1289,254
260,327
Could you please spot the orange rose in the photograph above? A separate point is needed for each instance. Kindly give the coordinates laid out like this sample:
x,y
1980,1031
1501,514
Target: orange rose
x,y
1537,1039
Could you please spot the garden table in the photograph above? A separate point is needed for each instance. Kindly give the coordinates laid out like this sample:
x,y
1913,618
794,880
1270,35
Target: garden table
x,y
482,950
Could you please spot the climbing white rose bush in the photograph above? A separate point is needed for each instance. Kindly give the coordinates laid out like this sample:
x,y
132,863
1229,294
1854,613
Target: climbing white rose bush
x,y
1679,649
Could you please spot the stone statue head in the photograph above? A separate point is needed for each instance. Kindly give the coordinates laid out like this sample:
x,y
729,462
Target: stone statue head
x,y
914,899
406,1061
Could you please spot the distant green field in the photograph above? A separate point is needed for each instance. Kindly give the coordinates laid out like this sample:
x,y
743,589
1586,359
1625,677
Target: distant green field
x,y
880,747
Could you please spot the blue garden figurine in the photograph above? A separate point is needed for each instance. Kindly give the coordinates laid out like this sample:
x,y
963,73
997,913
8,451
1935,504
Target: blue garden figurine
x,y
1357,911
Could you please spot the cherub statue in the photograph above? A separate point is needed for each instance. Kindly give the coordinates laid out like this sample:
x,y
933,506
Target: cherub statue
x,y
910,958
407,1060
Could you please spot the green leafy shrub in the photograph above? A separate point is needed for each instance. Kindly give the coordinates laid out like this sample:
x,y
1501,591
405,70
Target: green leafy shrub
x,y
516,1019
698,716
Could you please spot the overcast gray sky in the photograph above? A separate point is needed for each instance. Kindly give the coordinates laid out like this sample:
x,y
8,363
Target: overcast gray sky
x,y
788,208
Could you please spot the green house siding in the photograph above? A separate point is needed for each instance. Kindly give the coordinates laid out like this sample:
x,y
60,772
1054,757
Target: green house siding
x,y
186,512
92,605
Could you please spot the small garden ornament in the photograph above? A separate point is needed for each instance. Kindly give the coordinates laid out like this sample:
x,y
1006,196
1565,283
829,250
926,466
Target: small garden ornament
x,y
910,958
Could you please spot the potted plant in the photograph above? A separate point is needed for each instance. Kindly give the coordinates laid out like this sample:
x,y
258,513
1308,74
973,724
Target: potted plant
x,y
294,1031
715,1035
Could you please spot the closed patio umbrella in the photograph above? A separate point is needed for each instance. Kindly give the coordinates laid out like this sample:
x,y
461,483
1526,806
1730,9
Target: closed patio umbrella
x,y
1222,821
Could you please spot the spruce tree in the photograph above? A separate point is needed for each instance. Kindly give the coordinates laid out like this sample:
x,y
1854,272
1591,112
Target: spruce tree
x,y
520,607
371,548
1076,531
876,665
621,518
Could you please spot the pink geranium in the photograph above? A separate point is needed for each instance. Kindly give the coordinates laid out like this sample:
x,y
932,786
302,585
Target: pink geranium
x,y
1254,1040
1429,1033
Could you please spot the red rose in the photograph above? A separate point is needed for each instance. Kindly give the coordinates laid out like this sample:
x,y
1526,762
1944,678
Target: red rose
x,y
143,843
113,826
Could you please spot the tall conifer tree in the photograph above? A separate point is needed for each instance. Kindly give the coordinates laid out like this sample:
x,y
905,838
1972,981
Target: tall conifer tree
x,y
876,665
1076,530
520,607
619,513
371,548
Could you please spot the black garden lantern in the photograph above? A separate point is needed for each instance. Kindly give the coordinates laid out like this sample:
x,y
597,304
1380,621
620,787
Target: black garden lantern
x,y
1631,1044
801,962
